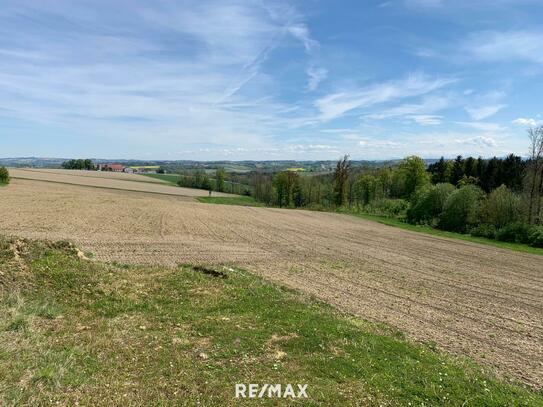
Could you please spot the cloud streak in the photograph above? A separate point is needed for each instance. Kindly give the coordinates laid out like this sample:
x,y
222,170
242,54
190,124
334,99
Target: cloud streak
x,y
337,104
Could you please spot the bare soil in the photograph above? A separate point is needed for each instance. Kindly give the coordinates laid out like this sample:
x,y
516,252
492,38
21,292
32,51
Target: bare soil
x,y
92,174
112,180
469,299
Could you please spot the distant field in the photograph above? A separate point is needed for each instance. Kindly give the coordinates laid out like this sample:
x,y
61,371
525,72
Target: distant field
x,y
75,332
128,182
472,300
92,174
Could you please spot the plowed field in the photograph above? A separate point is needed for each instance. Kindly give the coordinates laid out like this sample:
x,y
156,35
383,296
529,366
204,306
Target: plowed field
x,y
111,180
469,299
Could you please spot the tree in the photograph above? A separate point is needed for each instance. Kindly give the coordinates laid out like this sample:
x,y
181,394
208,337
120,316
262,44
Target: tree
x,y
206,183
512,172
4,175
457,170
534,176
287,188
78,164
467,180
412,172
461,209
220,176
470,167
501,207
341,176
439,171
366,188
428,201
489,178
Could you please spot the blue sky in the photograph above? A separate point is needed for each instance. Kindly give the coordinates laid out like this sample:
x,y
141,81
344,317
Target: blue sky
x,y
236,80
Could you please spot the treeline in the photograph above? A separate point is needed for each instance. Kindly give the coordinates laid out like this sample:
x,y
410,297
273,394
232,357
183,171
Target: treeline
x,y
497,198
488,174
79,164
200,179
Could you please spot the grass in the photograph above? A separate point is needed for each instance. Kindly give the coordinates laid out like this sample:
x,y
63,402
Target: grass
x,y
519,247
237,200
170,178
99,334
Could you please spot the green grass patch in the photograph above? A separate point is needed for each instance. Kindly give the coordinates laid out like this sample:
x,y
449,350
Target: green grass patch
x,y
519,247
171,178
99,334
237,200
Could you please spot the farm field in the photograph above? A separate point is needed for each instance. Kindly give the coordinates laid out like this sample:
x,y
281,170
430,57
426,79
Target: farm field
x,y
469,299
121,181
92,174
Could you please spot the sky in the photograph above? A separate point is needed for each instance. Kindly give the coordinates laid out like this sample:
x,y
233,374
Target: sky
x,y
269,80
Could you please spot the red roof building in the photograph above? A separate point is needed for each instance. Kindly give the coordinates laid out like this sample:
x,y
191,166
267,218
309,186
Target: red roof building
x,y
111,167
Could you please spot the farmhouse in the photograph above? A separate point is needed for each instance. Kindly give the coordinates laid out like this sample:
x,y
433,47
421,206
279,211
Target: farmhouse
x,y
111,167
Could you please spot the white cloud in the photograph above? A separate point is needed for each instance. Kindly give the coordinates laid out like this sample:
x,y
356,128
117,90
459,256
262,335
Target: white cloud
x,y
315,77
337,104
506,46
301,32
484,141
427,120
483,112
521,121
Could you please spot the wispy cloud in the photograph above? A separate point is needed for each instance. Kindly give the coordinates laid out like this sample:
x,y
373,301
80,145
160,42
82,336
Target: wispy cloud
x,y
315,77
483,112
506,46
337,104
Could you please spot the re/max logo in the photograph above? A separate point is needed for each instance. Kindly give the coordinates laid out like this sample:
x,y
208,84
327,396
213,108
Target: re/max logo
x,y
253,391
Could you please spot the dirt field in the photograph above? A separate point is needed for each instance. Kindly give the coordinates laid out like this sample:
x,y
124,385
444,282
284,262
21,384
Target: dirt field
x,y
121,181
469,299
92,174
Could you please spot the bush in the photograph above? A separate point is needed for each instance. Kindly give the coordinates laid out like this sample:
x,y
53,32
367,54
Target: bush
x,y
501,208
484,230
427,203
515,232
536,237
4,175
461,209
387,207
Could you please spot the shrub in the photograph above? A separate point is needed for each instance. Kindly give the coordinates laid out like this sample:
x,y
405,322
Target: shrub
x,y
461,209
515,232
427,202
501,207
484,230
4,175
536,237
387,207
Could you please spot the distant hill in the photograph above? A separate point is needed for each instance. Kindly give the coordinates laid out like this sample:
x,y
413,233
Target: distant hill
x,y
229,166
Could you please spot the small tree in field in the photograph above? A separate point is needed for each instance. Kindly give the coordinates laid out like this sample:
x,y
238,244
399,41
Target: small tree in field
x,y
4,175
220,176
